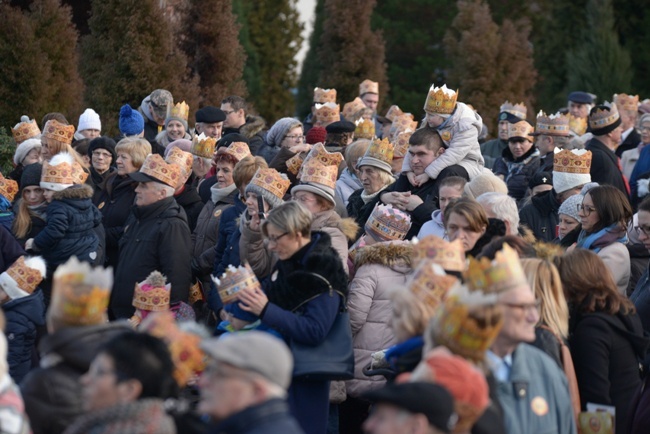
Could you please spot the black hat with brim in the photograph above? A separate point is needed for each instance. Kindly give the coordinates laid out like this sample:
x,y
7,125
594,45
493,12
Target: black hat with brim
x,y
143,177
581,97
340,127
210,115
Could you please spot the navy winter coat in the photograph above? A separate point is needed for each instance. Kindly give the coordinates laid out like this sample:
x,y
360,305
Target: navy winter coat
x,y
269,417
9,248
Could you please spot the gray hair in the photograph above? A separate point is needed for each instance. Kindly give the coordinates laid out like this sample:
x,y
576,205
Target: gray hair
x,y
503,207
169,191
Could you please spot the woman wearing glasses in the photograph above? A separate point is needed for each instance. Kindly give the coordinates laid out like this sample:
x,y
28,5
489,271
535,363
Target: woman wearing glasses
x,y
604,215
284,140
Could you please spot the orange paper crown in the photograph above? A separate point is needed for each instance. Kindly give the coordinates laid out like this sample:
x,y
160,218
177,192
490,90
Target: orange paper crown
x,y
627,102
26,129
387,223
58,172
577,125
203,146
182,159
368,86
26,276
313,171
157,168
440,100
351,108
393,113
57,131
152,294
365,129
601,118
402,144
180,110
574,161
320,154
518,110
449,255
430,284
499,275
79,175
521,129
8,188
294,164
234,280
322,96
553,125
272,181
239,150
402,124
379,154
328,112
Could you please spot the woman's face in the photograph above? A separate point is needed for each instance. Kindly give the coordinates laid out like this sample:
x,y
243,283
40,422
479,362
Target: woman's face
x,y
175,130
101,160
282,243
125,164
588,215
45,150
459,228
294,137
33,156
567,224
308,200
100,386
33,195
224,174
252,204
370,179
645,132
519,148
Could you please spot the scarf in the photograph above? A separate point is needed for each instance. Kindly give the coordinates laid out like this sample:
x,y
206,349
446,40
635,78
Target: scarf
x,y
369,197
39,210
602,238
219,193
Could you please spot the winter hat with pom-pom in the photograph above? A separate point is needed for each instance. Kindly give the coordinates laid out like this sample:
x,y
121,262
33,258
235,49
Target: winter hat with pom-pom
x,y
131,121
23,277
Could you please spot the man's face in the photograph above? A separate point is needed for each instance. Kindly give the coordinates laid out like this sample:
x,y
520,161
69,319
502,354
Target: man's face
x,y
421,157
644,225
617,135
100,386
370,100
224,391
578,110
210,129
545,144
147,193
234,118
520,315
388,419
519,147
158,114
503,130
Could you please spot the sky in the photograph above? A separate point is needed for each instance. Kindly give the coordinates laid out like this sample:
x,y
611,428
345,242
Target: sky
x,y
306,8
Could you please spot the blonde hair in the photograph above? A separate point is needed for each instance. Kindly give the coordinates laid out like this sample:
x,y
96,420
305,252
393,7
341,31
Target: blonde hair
x,y
354,151
290,217
136,147
410,315
545,281
22,220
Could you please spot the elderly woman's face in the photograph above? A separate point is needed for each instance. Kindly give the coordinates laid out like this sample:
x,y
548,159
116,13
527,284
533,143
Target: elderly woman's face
x,y
459,228
645,131
294,137
124,164
370,179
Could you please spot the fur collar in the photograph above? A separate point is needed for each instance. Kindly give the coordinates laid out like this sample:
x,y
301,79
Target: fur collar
x,y
83,191
253,125
388,254
331,219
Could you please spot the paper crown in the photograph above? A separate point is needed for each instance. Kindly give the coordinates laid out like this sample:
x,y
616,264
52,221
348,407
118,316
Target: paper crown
x,y
626,102
272,181
313,171
152,294
379,154
239,150
79,175
521,129
183,346
501,274
449,255
365,129
233,280
26,129
23,277
80,293
203,146
8,188
368,86
577,125
430,284
57,131
182,159
393,113
294,164
319,153
572,161
159,169
440,100
387,223
600,118
402,124
468,322
518,110
402,144
322,96
553,125
328,112
57,174
351,108
180,110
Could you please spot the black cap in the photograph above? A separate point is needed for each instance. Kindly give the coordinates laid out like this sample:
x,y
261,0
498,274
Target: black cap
x,y
143,177
582,97
231,138
383,120
340,127
429,399
210,115
31,175
541,178
506,116
102,142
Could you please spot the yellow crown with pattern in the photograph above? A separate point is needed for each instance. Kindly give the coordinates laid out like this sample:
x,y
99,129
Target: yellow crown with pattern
x,y
572,161
26,129
430,284
365,129
501,274
393,113
152,294
180,111
320,154
518,110
321,96
57,131
351,108
440,100
8,188
272,181
626,102
79,175
387,223
160,170
203,146
25,275
402,144
182,159
368,86
80,293
521,129
553,125
449,255
233,280
294,164
313,171
577,125
327,113
58,171
603,117
239,150
402,124
381,150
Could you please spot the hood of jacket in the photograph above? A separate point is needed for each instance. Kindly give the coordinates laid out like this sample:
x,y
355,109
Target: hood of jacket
x,y
627,326
83,191
32,307
350,180
390,254
331,219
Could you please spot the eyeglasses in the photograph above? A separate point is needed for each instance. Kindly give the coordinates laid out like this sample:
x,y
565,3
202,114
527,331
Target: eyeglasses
x,y
644,129
101,154
644,229
228,112
275,240
302,199
298,138
526,307
586,209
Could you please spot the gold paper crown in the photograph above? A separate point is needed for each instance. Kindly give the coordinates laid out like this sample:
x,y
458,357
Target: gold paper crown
x,y
500,275
381,150
319,153
402,144
368,86
553,125
577,125
365,129
572,162
157,168
272,181
313,171
294,164
449,255
25,130
430,284
518,110
57,131
520,129
179,111
184,347
601,118
322,96
26,277
79,175
8,188
351,108
440,100
234,280
239,150
182,159
152,294
61,173
387,223
401,124
203,146
80,293
393,113
627,102
328,112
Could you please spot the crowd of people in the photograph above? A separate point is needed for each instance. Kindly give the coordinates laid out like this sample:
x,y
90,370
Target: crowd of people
x,y
347,273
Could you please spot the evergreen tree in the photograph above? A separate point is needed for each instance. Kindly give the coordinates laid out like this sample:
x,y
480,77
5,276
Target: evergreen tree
x,y
211,42
599,64
350,50
311,65
632,18
275,34
251,72
129,52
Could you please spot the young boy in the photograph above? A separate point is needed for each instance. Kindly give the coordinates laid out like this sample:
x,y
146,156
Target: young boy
x,y
450,188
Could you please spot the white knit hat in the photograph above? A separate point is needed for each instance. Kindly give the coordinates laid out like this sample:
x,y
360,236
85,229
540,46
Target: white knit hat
x,y
25,148
571,169
89,120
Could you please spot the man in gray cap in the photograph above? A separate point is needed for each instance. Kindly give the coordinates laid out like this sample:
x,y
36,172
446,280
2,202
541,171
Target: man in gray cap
x,y
244,386
580,103
154,111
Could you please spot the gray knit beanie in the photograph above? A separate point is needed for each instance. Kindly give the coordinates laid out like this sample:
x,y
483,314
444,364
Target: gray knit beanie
x,y
570,206
280,129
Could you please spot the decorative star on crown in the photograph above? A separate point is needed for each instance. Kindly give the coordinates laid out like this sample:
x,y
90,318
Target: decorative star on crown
x,y
203,146
501,274
518,110
180,110
233,280
440,100
365,129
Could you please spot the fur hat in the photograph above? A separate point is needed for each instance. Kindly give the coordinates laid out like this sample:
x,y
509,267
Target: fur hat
x,y
280,129
131,121
89,120
485,183
25,148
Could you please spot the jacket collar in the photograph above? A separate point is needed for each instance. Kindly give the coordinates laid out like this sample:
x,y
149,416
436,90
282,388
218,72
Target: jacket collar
x,y
142,212
254,416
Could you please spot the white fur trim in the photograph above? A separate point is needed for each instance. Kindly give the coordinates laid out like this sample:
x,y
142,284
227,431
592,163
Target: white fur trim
x,y
10,287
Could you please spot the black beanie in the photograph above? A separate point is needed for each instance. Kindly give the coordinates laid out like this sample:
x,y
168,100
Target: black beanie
x,y
31,175
103,142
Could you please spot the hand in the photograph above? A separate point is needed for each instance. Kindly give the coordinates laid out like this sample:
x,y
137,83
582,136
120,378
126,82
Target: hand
x,y
410,202
412,178
392,198
254,222
421,179
252,300
29,244
571,248
303,147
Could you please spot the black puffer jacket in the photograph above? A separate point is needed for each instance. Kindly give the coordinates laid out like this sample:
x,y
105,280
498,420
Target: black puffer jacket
x,y
191,202
517,172
541,216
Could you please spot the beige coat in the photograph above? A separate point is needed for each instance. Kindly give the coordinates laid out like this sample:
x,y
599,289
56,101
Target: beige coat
x,y
617,258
